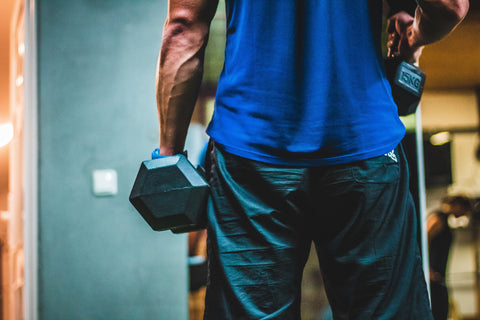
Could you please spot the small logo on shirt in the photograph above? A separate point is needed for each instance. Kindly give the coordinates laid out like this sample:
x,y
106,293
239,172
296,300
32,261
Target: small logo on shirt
x,y
392,155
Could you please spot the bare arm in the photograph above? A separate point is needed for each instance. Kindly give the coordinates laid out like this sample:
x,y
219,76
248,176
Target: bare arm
x,y
433,20
180,68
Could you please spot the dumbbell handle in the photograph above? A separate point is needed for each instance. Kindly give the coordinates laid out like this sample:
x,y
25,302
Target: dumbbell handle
x,y
156,154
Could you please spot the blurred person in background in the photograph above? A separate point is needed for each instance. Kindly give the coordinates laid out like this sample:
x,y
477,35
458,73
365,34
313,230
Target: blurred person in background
x,y
440,239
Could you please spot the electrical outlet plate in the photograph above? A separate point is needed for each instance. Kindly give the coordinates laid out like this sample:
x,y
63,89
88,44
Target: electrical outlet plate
x,y
105,182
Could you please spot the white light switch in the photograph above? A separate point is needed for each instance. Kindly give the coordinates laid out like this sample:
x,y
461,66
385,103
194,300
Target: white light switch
x,y
105,182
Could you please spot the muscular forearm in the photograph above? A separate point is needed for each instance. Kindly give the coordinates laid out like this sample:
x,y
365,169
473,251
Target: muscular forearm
x,y
434,19
180,68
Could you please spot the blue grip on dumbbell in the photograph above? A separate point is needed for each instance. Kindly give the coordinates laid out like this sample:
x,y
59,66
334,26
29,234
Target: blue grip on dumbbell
x,y
156,154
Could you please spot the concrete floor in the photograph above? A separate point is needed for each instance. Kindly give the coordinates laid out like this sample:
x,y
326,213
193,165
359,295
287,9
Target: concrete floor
x,y
314,299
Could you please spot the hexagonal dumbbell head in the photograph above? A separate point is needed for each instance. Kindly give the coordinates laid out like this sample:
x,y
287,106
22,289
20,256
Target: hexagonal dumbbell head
x,y
170,194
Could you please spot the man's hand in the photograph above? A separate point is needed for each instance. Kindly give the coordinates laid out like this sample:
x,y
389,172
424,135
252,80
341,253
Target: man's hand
x,y
433,20
401,41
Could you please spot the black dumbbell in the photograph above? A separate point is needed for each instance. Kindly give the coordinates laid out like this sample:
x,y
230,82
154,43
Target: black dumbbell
x,y
407,82
170,193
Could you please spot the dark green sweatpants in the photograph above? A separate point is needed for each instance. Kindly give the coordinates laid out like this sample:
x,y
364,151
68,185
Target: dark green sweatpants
x,y
360,216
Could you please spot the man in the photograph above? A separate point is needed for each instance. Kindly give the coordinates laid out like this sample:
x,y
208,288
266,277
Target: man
x,y
440,239
303,148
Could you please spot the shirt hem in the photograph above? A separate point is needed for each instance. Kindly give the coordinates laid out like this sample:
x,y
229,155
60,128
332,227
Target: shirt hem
x,y
315,162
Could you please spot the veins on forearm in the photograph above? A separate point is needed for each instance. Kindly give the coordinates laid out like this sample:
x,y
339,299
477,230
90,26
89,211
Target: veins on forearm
x,y
180,69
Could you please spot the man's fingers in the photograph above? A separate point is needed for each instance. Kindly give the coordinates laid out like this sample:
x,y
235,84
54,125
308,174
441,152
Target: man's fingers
x,y
391,25
398,27
399,22
402,22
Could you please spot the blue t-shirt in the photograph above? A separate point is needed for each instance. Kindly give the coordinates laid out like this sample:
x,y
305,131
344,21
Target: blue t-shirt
x,y
303,83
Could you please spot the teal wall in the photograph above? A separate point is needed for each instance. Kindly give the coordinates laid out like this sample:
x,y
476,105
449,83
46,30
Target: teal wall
x,y
97,258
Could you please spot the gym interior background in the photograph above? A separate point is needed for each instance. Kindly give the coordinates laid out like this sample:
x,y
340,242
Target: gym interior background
x,y
77,87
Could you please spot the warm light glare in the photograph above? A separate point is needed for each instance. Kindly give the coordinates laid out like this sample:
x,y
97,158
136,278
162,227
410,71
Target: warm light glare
x,y
6,134
440,138
460,222
21,49
19,81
